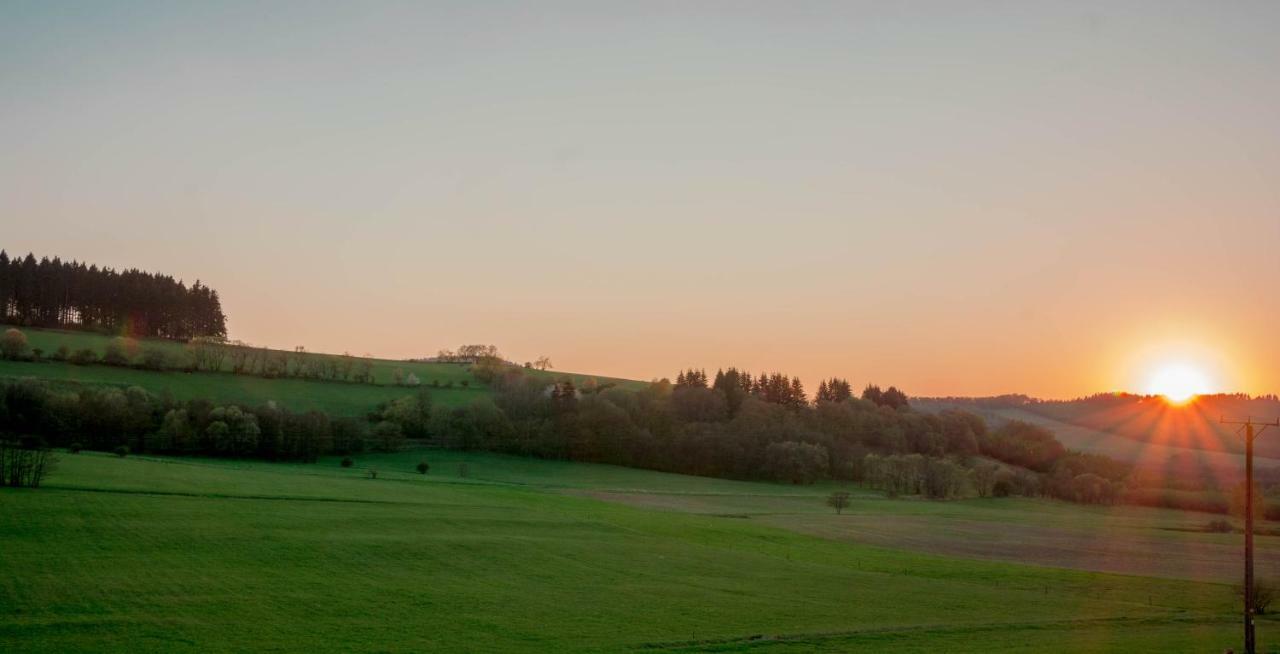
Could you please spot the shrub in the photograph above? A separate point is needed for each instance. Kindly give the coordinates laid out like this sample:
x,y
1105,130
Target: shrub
x,y
83,357
154,358
121,451
61,354
37,353
116,354
13,344
412,380
1002,488
347,462
74,448
373,473
1264,593
423,467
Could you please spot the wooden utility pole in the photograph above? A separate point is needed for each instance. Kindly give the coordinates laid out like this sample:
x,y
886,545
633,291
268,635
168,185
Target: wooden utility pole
x,y
1251,431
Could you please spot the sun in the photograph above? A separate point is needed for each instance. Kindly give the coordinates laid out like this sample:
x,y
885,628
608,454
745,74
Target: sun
x,y
1178,382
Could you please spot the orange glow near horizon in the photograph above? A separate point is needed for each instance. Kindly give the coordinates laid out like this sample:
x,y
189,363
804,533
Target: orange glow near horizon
x,y
1178,382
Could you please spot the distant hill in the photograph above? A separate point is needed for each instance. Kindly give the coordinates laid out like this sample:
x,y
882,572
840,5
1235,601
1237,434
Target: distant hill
x,y
1185,440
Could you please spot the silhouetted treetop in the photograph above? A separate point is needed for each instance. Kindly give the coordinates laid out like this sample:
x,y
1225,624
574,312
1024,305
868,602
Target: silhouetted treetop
x,y
75,295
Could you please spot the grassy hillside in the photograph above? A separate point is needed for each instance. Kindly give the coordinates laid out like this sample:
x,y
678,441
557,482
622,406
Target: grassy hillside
x,y
50,340
443,381
1152,453
339,399
178,555
1195,424
1120,447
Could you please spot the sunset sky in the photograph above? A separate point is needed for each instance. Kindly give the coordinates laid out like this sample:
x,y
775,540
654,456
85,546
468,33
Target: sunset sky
x,y
956,198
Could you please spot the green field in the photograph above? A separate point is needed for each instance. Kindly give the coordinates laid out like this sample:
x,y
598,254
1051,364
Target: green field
x,y
165,555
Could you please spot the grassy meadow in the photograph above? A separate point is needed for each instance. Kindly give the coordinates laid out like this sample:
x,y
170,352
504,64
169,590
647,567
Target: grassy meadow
x,y
448,384
335,398
494,553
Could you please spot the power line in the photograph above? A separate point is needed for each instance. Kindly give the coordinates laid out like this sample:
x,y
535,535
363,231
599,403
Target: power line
x,y
1252,430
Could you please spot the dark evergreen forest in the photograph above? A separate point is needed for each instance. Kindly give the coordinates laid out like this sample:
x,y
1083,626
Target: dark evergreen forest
x,y
76,295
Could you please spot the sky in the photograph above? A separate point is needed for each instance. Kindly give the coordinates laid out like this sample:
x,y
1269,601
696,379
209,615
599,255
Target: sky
x,y
956,198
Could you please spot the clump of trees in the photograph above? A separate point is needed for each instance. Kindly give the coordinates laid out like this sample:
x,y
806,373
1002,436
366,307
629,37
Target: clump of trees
x,y
135,420
25,461
74,295
916,474
469,354
733,425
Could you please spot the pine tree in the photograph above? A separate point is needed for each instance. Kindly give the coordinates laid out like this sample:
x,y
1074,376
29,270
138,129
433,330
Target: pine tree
x,y
55,293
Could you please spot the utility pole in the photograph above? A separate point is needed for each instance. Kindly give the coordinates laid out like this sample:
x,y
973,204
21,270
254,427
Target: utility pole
x,y
1251,431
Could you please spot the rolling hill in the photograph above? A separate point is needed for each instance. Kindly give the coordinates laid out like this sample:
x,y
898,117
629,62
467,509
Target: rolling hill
x,y
448,384
1155,437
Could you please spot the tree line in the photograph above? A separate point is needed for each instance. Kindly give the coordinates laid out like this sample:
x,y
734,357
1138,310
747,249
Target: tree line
x,y
762,427
75,295
734,426
134,420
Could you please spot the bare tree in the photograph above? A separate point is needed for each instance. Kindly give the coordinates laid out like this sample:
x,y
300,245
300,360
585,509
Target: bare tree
x,y
25,462
1264,593
542,363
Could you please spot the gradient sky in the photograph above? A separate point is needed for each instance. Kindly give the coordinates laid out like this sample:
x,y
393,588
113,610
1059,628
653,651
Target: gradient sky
x,y
957,198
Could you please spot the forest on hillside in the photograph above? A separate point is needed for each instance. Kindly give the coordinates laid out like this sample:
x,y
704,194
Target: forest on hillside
x,y
735,425
76,295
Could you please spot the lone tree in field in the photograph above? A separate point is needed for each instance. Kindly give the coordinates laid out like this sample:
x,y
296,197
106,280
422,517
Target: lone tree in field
x,y
542,363
423,467
838,500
